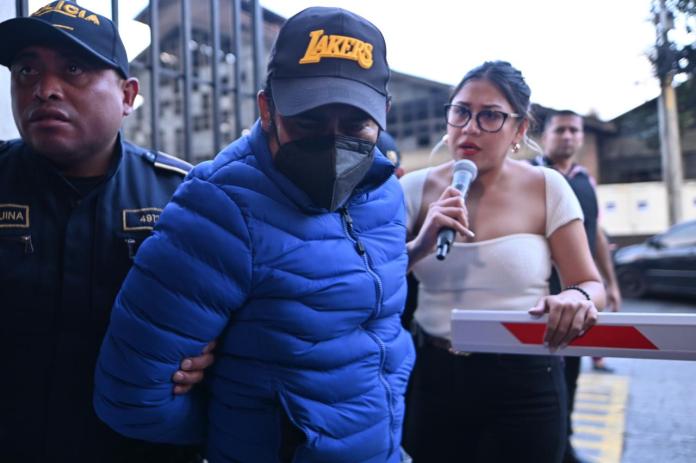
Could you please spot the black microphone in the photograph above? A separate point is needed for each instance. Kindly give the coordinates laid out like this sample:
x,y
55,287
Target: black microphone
x,y
463,173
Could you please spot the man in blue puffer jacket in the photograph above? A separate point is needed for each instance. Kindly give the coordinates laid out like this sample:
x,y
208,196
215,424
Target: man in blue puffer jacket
x,y
289,249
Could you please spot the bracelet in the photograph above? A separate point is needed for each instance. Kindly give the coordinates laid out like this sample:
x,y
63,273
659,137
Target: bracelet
x,y
578,288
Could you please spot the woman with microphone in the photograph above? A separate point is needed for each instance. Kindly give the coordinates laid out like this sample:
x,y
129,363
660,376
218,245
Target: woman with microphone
x,y
516,221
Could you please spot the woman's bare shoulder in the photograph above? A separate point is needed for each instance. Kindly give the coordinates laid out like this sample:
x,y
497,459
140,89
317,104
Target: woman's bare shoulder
x,y
429,177
527,174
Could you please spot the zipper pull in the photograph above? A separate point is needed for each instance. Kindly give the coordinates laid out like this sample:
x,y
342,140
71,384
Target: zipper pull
x,y
130,242
347,218
349,224
28,245
359,247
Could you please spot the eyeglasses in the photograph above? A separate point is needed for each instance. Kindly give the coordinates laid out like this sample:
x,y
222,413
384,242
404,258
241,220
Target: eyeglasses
x,y
487,120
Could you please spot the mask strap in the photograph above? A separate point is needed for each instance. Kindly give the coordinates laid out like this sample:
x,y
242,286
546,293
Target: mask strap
x,y
274,129
272,125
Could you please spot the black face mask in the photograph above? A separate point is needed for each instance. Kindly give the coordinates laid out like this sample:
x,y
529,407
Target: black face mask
x,y
327,168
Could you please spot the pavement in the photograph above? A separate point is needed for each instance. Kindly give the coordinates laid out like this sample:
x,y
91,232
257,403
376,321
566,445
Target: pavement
x,y
599,417
643,412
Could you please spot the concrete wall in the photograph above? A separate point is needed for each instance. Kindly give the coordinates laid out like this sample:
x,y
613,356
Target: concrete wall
x,y
7,126
639,209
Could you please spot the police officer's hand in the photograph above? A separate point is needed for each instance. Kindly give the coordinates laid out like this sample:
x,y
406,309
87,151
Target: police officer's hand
x,y
191,372
569,317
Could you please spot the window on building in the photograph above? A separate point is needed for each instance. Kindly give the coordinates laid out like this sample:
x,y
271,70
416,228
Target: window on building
x,y
421,110
179,138
438,108
201,122
423,140
407,113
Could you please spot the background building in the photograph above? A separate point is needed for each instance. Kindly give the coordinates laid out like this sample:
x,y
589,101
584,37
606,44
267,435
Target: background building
x,y
170,118
632,194
622,154
633,154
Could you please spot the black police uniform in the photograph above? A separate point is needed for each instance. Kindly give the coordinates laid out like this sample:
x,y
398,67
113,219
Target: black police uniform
x,y
65,248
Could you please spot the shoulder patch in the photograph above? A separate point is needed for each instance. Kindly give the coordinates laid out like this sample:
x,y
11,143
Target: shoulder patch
x,y
163,161
6,144
168,162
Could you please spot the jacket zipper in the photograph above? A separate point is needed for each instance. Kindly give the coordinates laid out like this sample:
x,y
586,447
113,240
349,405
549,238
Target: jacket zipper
x,y
360,248
24,239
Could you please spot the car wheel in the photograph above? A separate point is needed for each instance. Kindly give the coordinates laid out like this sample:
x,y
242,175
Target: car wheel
x,y
632,282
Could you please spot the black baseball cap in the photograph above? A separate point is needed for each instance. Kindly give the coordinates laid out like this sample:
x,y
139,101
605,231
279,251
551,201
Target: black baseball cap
x,y
65,23
329,55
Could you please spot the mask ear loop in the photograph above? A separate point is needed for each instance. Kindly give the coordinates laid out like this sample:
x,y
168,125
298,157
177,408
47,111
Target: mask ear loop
x,y
379,132
272,127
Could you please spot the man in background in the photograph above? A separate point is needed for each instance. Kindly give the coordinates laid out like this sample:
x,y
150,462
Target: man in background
x,y
562,138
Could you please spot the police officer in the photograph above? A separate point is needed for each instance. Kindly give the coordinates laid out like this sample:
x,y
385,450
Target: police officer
x,y
76,200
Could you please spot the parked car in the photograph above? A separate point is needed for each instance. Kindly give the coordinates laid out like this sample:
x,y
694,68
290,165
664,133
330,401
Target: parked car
x,y
665,263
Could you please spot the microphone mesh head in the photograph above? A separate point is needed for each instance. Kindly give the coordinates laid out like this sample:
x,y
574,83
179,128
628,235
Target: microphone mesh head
x,y
467,166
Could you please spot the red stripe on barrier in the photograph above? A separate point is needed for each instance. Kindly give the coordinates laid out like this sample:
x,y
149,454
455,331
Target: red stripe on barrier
x,y
620,337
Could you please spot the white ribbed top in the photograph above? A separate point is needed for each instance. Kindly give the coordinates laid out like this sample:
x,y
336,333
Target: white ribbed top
x,y
506,273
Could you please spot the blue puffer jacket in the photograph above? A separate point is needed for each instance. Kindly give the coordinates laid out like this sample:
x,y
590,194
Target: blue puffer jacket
x,y
305,305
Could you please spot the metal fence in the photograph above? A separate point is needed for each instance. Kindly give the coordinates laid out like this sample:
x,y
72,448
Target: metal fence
x,y
186,76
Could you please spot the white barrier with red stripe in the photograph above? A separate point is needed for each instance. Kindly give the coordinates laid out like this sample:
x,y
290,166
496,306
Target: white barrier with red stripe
x,y
635,335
